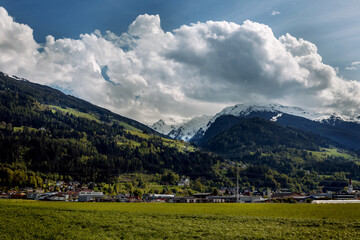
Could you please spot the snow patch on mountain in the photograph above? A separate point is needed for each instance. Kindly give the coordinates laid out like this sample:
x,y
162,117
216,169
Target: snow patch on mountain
x,y
274,119
14,77
18,78
335,118
187,130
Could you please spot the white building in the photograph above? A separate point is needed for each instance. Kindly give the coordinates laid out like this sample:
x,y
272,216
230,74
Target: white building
x,y
184,182
89,196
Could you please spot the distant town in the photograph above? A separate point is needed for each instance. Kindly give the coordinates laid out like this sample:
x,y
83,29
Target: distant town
x,y
73,191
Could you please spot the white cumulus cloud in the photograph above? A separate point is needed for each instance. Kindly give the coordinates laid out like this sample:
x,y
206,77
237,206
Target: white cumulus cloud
x,y
17,46
147,73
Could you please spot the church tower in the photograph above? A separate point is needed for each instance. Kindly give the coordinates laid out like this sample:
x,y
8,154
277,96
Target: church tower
x,y
350,187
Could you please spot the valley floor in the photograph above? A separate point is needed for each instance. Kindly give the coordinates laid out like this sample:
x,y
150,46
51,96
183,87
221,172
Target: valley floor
x,y
21,219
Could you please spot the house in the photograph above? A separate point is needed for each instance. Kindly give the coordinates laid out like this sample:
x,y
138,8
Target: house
x,y
39,190
73,196
106,199
283,190
244,199
133,199
121,198
74,183
201,197
289,196
4,195
357,195
216,199
42,196
321,196
251,199
57,197
32,195
159,197
184,199
59,183
209,198
184,182
344,196
85,196
17,195
28,189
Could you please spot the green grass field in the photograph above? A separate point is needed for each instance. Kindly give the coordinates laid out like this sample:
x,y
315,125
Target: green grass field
x,y
21,129
179,145
75,112
325,152
60,220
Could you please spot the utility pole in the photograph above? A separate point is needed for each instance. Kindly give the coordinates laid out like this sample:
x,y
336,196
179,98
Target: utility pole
x,y
237,183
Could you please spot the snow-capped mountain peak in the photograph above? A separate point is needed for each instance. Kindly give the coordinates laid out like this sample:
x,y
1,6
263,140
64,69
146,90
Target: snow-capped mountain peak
x,y
187,130
162,127
184,130
273,112
246,109
335,118
243,110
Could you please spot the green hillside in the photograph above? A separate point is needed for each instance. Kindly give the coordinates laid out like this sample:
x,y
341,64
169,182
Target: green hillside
x,y
47,134
275,156
250,134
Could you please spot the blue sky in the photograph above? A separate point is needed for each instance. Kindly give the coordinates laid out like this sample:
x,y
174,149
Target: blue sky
x,y
332,26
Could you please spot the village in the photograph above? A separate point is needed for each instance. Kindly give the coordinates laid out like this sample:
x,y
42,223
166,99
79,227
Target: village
x,y
73,191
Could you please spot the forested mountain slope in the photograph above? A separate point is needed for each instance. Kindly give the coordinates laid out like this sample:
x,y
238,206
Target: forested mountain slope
x,y
30,92
266,146
231,134
341,129
44,132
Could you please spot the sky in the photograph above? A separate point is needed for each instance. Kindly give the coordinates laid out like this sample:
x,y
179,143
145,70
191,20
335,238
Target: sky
x,y
179,59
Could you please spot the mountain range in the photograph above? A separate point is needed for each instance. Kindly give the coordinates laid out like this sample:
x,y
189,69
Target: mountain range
x,y
46,134
343,130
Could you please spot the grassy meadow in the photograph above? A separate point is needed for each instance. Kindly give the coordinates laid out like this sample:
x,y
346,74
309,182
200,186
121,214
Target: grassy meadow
x,y
61,220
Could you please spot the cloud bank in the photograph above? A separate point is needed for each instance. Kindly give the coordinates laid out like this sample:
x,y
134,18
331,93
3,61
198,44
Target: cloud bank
x,y
148,74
